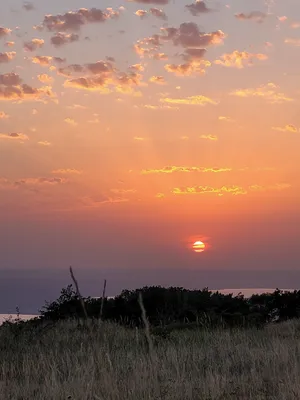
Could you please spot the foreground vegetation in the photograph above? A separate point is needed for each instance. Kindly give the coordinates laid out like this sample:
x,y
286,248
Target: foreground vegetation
x,y
155,343
110,362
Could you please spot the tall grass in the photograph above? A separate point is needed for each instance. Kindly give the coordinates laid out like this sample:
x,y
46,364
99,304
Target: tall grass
x,y
69,361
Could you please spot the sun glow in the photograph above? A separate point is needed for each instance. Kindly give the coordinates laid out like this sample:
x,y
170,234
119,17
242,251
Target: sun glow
x,y
198,246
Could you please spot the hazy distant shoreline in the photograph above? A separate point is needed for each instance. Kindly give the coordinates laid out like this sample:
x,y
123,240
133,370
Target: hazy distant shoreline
x,y
247,292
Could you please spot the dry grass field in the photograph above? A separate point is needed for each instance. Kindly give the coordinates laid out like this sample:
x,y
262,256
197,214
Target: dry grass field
x,y
109,362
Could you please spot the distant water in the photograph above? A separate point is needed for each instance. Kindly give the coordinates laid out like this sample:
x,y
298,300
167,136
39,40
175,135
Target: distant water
x,y
4,317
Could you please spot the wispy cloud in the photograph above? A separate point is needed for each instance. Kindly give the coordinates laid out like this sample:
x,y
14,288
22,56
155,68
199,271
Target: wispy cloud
x,y
240,59
13,136
197,100
287,128
174,169
269,92
256,16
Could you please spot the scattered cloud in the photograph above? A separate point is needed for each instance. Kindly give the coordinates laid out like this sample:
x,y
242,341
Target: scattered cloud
x,y
45,78
199,7
13,136
62,38
25,92
70,121
295,25
231,190
3,115
74,20
188,68
159,2
226,119
220,191
4,32
45,143
256,16
287,128
9,44
7,56
28,6
198,100
209,137
67,171
34,44
239,59
293,41
160,80
156,12
269,92
173,169
10,79
39,181
45,61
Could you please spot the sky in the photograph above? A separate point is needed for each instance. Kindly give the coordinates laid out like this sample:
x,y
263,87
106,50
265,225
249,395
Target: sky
x,y
131,129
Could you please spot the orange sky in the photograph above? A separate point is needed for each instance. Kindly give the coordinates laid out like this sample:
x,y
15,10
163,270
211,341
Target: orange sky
x,y
130,129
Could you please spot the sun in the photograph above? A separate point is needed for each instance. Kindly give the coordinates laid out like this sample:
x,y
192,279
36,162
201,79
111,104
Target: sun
x,y
198,246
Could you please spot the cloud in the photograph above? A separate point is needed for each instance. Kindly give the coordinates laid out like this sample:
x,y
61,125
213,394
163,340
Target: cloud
x,y
62,38
209,137
269,92
45,78
45,61
104,77
9,44
188,68
173,169
292,42
4,32
287,128
239,59
70,121
199,7
10,79
3,115
229,190
39,181
13,136
295,25
188,35
227,119
159,2
156,12
7,56
256,16
277,186
160,80
34,44
66,171
198,100
141,13
74,20
220,191
45,143
28,6
25,92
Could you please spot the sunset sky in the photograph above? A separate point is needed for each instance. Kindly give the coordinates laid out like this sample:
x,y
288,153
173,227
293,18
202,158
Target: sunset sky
x,y
131,129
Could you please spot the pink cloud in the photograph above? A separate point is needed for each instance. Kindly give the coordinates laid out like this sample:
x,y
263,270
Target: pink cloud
x,y
7,56
199,7
34,44
256,16
61,38
74,20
